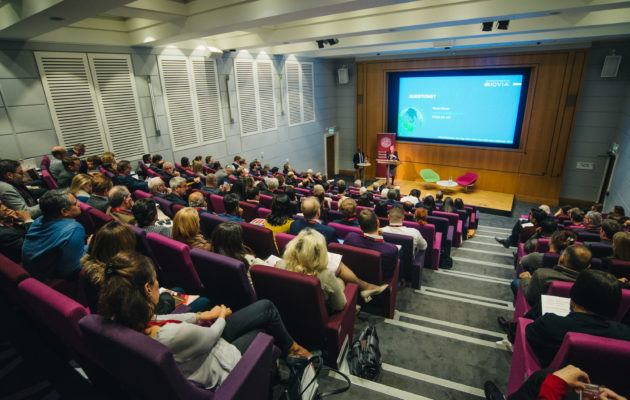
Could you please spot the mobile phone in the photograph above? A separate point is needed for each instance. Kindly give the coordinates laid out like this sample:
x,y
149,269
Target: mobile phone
x,y
590,392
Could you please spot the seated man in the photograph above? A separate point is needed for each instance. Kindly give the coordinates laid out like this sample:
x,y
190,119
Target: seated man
x,y
120,203
577,217
574,259
372,239
545,229
224,174
391,197
608,229
523,230
595,296
101,186
232,211
253,197
396,215
272,184
413,197
124,178
11,239
179,188
348,208
55,243
56,163
71,166
13,193
439,198
197,201
212,187
157,187
593,221
312,212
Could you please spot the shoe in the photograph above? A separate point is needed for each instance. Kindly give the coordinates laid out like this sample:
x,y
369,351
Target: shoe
x,y
402,284
492,392
503,242
504,324
367,294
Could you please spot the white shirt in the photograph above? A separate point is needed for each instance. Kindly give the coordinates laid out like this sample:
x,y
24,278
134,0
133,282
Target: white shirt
x,y
411,199
418,241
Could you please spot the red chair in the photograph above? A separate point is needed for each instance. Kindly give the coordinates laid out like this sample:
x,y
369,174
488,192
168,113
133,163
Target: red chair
x,y
250,211
259,239
342,230
621,269
434,243
263,212
176,208
209,222
455,222
282,239
139,194
217,204
300,301
10,275
45,164
85,219
176,267
98,217
266,201
152,174
366,264
49,180
467,180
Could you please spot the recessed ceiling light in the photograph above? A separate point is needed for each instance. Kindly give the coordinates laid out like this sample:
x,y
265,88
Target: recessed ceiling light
x,y
149,39
56,18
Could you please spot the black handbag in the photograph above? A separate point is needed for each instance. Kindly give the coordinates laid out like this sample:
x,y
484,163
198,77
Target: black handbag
x,y
364,357
302,382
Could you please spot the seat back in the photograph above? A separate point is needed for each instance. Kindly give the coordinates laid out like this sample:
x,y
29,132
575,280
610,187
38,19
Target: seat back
x,y
49,180
542,245
334,215
175,263
139,194
550,259
259,239
585,236
217,203
621,269
432,254
407,257
451,217
176,208
165,206
441,225
11,274
298,298
263,212
85,219
106,172
600,356
282,239
209,222
45,164
140,363
250,211
601,249
266,200
99,218
142,245
224,279
342,230
365,263
152,174
57,312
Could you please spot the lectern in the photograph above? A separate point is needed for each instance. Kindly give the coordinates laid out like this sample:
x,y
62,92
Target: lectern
x,y
388,165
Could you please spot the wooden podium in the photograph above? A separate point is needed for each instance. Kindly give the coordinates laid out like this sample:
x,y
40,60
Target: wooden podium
x,y
362,167
388,165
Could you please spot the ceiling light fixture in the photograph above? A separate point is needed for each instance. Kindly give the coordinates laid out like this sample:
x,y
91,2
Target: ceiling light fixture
x,y
149,39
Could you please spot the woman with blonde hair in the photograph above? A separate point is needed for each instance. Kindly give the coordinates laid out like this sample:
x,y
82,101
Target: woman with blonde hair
x,y
81,187
187,229
621,246
197,167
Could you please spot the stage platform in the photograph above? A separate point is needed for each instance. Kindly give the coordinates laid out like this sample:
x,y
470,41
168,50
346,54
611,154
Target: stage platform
x,y
490,202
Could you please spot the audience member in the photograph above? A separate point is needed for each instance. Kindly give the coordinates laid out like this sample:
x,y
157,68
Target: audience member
x,y
608,229
92,164
187,229
108,162
238,188
11,239
81,187
227,239
595,296
54,243
157,187
592,221
206,355
559,241
197,201
157,162
179,188
396,216
372,239
380,208
429,203
413,197
253,197
281,217
391,197
365,199
448,206
272,184
124,178
71,167
320,194
13,193
56,162
146,215
563,212
577,217
545,229
348,208
185,163
223,174
101,186
421,216
621,246
523,230
168,172
232,210
77,150
120,203
211,185
599,207
312,211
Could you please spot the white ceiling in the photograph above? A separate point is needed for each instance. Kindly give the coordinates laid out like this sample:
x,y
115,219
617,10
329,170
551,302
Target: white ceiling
x,y
364,27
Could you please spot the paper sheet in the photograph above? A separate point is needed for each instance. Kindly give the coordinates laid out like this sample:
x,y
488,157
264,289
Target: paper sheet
x,y
555,304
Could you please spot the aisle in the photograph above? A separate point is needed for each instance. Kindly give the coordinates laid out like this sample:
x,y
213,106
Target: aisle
x,y
442,341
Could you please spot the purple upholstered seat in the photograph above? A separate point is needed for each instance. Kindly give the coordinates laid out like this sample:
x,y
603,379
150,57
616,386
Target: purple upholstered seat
x,y
300,301
147,368
259,239
209,222
585,236
454,222
600,357
139,194
263,212
266,201
550,259
441,225
165,205
250,211
411,265
434,243
334,214
85,219
601,249
621,269
217,203
282,239
342,230
366,264
224,279
142,245
106,172
10,275
152,174
49,180
175,264
45,164
98,217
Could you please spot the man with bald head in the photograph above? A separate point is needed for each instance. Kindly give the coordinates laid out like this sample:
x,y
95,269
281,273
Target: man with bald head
x,y
56,162
311,210
198,201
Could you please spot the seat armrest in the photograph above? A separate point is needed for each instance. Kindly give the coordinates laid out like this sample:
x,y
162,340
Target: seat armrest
x,y
351,292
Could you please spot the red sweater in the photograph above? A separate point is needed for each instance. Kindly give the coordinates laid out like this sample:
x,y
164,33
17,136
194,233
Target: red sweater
x,y
553,388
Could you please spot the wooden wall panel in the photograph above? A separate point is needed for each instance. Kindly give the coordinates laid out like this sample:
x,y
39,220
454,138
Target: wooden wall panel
x,y
533,171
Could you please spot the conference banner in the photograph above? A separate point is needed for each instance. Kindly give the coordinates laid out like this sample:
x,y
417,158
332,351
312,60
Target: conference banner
x,y
383,143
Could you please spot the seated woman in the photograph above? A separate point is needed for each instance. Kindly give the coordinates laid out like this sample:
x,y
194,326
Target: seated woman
x,y
146,215
206,355
380,209
620,248
421,215
185,163
320,193
197,167
307,254
448,205
429,203
111,239
187,229
279,221
458,203
559,241
81,187
227,239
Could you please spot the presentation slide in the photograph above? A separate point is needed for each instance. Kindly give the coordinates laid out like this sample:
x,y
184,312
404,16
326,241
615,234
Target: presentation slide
x,y
480,109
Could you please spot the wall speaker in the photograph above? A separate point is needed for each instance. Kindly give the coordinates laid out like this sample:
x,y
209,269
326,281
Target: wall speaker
x,y
342,76
611,66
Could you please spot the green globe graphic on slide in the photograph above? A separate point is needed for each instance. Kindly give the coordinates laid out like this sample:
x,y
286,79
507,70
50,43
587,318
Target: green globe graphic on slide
x,y
409,120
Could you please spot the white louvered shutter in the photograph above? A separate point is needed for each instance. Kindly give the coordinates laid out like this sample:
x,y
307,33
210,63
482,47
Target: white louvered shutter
x,y
246,94
300,92
206,82
119,106
72,100
178,96
308,92
267,104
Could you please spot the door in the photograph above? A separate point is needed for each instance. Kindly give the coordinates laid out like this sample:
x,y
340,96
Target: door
x,y
330,155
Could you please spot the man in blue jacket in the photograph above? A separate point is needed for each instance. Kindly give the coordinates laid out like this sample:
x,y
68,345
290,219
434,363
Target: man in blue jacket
x,y
311,210
124,178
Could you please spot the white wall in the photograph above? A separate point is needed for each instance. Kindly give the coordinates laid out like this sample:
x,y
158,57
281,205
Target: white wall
x,y
620,184
26,128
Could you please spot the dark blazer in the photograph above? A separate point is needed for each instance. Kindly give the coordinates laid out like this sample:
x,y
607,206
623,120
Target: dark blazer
x,y
389,251
349,222
132,183
357,159
546,333
392,157
329,233
98,202
175,199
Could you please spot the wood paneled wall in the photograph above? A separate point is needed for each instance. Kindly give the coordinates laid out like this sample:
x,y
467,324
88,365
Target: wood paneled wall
x,y
533,172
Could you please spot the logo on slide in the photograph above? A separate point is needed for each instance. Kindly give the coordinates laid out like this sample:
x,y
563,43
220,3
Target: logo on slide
x,y
409,120
386,142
